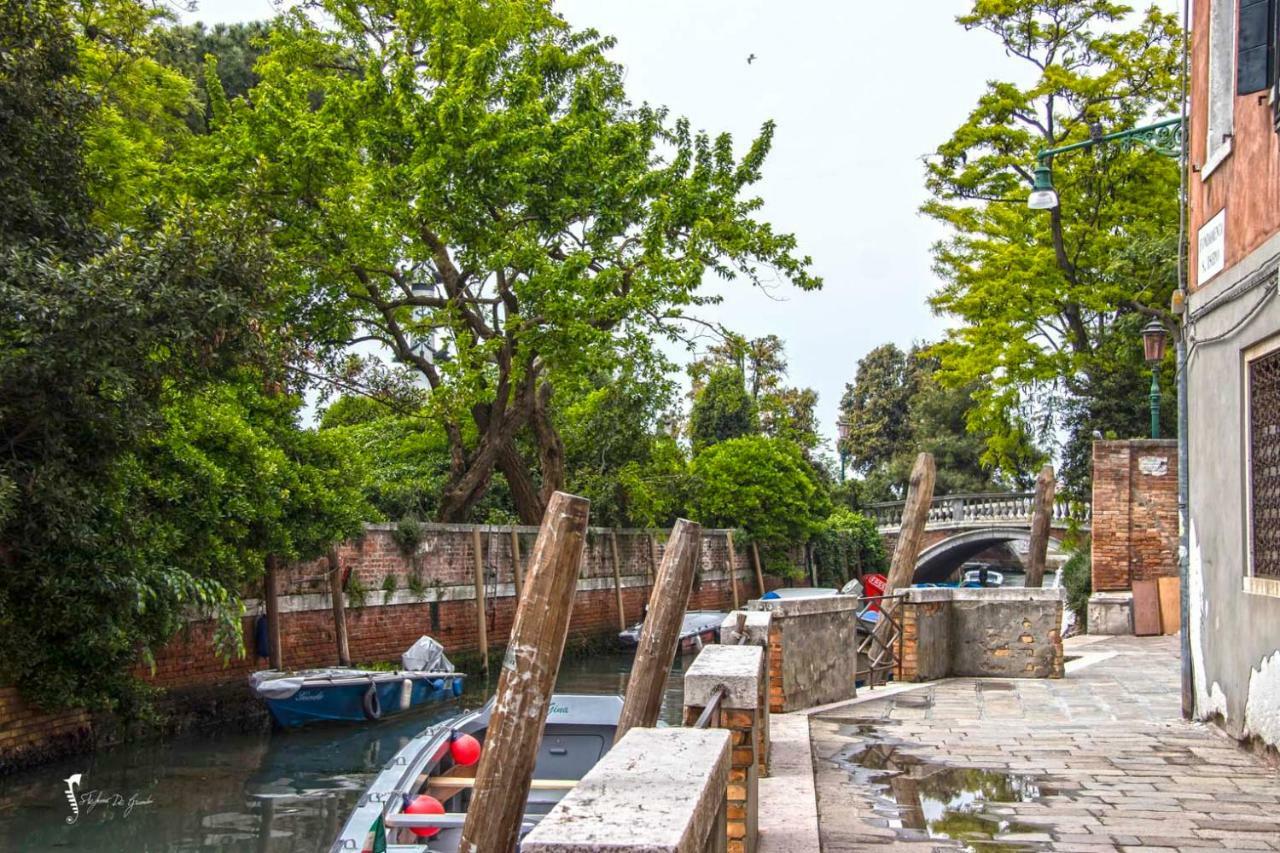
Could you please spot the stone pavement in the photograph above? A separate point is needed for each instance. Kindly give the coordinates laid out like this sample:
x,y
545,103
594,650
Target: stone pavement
x,y
1098,761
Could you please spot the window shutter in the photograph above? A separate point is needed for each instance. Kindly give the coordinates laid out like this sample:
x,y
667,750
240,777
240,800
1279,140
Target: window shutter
x,y
1255,46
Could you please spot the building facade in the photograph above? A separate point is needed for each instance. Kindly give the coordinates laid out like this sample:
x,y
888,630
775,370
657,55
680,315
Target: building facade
x,y
1233,369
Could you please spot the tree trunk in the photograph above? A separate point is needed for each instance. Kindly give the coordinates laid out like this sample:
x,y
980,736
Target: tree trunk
x,y
529,502
550,446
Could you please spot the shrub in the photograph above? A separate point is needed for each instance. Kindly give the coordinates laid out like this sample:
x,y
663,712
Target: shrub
x,y
846,545
1077,578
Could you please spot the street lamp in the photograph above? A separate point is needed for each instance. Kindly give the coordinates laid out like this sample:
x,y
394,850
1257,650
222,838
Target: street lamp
x,y
1153,342
1043,195
842,430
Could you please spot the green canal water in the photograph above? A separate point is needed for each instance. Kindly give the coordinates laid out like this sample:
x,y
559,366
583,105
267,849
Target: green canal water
x,y
265,791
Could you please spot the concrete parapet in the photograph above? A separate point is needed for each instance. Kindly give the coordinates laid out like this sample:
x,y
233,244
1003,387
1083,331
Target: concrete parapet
x,y
999,633
656,791
812,650
756,627
1111,613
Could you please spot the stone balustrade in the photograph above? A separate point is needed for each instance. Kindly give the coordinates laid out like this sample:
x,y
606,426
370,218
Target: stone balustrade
x,y
992,507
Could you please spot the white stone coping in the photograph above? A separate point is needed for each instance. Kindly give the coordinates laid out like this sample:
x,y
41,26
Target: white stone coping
x,y
928,595
737,668
756,626
657,791
788,607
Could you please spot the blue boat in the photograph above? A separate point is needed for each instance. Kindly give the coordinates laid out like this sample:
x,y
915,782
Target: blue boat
x,y
345,694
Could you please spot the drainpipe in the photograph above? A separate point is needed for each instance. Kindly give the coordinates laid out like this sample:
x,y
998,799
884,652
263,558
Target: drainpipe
x,y
1180,356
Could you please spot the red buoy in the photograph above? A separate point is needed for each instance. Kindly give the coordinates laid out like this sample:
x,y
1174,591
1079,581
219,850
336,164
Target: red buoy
x,y
465,749
424,805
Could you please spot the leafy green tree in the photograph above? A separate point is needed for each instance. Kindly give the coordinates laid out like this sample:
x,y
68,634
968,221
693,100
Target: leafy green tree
x,y
847,545
783,412
658,489
472,175
876,408
761,484
722,409
235,47
1036,294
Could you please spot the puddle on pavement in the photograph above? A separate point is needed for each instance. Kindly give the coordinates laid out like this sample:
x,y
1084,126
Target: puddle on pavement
x,y
923,800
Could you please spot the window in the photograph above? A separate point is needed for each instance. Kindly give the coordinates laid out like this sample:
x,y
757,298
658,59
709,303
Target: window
x,y
1222,83
1262,375
1256,44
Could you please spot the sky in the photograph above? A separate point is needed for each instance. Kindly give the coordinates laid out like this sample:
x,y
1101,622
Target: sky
x,y
861,92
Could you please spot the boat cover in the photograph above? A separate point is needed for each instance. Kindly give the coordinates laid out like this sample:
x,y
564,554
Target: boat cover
x,y
426,655
273,684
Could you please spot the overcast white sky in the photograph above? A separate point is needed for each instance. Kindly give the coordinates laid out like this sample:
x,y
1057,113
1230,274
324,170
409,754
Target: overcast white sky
x,y
860,91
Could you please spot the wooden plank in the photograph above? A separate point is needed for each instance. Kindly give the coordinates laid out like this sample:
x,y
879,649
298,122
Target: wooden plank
x,y
339,609
1041,518
755,559
617,580
1146,608
482,626
272,584
660,631
527,679
1169,590
733,572
517,572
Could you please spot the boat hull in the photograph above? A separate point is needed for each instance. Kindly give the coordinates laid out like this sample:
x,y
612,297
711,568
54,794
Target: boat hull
x,y
349,703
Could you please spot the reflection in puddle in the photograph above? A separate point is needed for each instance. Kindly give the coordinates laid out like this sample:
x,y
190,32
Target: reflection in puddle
x,y
920,799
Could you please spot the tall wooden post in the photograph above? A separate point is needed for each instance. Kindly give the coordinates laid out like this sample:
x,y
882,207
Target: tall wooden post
x,y
271,582
527,679
915,515
1041,520
653,558
755,558
339,609
617,580
733,574
517,573
482,627
660,632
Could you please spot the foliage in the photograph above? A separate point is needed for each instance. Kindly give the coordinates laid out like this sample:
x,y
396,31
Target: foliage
x,y
1037,294
875,409
234,47
847,545
389,586
408,535
1077,578
761,484
722,410
467,184
357,593
416,584
658,489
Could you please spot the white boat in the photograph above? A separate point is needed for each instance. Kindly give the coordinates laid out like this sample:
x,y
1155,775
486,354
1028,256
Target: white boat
x,y
700,627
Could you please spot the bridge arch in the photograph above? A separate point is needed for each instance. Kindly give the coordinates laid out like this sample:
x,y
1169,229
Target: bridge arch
x,y
938,562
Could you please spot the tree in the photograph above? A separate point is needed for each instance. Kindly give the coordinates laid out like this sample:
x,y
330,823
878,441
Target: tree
x,y
471,174
235,47
1037,295
722,410
876,408
847,545
761,484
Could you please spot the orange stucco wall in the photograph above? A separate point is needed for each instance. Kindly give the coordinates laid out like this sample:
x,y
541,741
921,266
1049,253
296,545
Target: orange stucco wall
x,y
1247,183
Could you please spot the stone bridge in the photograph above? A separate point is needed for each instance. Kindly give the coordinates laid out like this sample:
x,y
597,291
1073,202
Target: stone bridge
x,y
963,526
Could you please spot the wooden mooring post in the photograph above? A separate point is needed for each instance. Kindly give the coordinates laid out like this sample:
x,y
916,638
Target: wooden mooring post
x,y
915,515
517,573
1041,519
272,584
526,680
733,574
660,632
339,609
617,579
482,626
755,558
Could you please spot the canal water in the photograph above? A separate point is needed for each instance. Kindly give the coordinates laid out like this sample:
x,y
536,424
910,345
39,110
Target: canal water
x,y
265,792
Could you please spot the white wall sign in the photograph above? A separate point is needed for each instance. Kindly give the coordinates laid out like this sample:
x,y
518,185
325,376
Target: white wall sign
x,y
1212,254
1153,466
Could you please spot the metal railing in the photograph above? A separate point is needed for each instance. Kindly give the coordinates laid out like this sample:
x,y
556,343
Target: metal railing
x,y
980,507
880,649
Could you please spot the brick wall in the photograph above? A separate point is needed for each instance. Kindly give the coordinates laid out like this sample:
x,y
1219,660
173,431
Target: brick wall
x,y
190,669
1135,512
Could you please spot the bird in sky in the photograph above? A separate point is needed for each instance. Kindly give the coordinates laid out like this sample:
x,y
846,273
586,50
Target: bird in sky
x,y
751,59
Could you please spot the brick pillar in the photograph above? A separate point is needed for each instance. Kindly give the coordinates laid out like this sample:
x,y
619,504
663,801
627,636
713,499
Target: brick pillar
x,y
756,631
740,671
1135,512
908,667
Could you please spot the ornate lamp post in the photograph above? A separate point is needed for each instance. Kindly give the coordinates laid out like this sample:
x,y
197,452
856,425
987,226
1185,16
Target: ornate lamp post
x,y
842,431
1153,341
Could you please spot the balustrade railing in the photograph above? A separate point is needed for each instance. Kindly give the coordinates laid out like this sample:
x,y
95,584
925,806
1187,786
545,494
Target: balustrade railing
x,y
984,507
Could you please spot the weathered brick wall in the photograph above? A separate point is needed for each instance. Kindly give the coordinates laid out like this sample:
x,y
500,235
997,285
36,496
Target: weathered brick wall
x,y
1135,512
445,608
998,633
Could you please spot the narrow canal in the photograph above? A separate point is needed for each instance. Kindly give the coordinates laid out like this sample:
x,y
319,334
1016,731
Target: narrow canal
x,y
266,792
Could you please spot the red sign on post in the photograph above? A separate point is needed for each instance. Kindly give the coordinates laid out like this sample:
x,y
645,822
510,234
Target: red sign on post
x,y
874,585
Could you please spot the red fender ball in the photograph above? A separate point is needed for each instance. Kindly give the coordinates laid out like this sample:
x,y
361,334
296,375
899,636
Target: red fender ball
x,y
424,805
465,749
